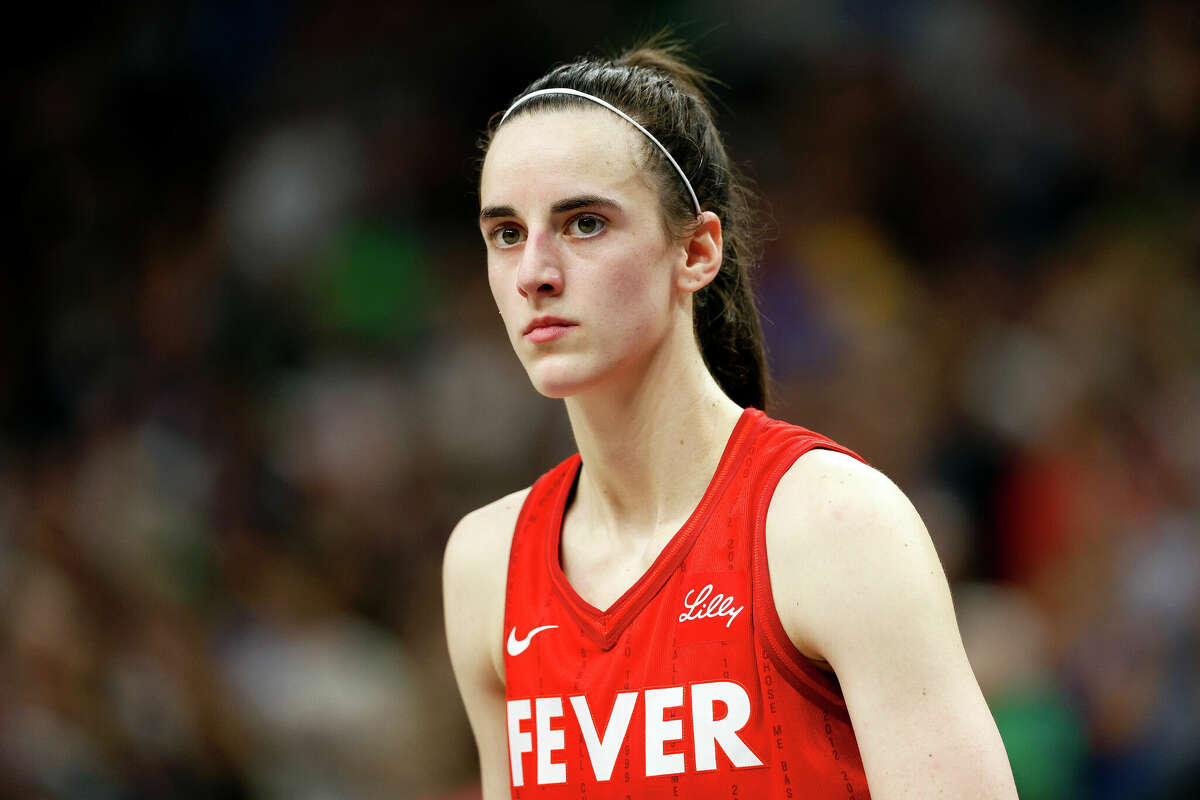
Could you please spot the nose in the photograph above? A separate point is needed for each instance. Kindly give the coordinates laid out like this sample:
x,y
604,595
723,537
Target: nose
x,y
540,271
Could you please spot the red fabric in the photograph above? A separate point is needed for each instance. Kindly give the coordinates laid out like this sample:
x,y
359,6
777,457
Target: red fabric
x,y
692,648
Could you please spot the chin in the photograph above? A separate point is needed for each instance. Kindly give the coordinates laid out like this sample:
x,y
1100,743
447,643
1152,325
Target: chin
x,y
559,381
557,389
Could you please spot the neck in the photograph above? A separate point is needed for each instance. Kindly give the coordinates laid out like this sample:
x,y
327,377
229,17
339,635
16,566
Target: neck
x,y
650,448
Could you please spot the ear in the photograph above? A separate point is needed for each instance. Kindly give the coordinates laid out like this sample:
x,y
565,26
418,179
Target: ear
x,y
704,249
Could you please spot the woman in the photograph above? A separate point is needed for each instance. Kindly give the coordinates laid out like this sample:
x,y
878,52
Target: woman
x,y
704,602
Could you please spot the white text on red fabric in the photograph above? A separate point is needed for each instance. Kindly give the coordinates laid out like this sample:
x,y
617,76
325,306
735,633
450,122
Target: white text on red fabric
x,y
548,736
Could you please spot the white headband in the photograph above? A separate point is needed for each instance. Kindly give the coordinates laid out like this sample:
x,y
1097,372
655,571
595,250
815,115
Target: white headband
x,y
615,110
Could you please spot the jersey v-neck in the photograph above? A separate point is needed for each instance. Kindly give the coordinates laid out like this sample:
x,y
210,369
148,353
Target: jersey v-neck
x,y
605,627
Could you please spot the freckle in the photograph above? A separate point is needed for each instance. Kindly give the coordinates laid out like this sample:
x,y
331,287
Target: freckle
x,y
922,692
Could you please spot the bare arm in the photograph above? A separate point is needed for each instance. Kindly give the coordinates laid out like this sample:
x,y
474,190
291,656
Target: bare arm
x,y
474,575
858,584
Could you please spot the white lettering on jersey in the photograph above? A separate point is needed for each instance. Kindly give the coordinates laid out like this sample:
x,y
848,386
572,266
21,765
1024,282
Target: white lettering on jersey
x,y
718,606
548,741
660,730
707,732
518,742
603,752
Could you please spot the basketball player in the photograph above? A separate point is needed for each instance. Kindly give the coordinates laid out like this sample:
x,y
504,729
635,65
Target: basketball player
x,y
703,602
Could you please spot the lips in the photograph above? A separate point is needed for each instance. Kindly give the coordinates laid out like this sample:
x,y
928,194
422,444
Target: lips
x,y
544,329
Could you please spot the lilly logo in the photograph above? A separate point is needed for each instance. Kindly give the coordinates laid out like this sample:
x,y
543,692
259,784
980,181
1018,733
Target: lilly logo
x,y
707,604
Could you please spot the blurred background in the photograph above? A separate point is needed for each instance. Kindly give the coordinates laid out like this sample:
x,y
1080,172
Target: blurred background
x,y
251,374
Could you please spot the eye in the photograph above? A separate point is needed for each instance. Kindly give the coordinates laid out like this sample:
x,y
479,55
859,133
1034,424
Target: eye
x,y
586,225
507,236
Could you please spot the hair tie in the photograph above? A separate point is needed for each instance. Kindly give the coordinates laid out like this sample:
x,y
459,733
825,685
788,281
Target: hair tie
x,y
615,110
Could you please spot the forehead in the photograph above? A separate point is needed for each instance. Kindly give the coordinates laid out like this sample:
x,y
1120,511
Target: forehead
x,y
544,156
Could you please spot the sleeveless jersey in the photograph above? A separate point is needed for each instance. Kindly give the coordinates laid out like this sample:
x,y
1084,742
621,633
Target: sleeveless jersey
x,y
687,686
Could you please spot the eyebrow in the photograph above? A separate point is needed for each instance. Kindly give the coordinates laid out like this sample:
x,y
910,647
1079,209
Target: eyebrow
x,y
567,204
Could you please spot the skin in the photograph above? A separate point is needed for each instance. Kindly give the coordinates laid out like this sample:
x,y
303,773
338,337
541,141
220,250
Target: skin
x,y
857,584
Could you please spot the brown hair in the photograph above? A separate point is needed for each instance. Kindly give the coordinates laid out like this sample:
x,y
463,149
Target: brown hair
x,y
654,85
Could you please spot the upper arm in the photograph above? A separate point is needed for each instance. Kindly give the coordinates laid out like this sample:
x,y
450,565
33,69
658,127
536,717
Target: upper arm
x,y
858,583
474,577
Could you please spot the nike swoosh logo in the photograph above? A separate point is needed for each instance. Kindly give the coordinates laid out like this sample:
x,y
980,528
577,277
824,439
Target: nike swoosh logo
x,y
517,646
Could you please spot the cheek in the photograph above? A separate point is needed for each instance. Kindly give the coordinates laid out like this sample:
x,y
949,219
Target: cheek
x,y
643,295
497,284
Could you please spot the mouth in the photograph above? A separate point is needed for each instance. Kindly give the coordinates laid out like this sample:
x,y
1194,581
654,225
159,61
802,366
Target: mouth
x,y
545,329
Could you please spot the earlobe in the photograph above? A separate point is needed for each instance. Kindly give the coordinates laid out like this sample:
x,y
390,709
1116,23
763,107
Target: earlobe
x,y
704,249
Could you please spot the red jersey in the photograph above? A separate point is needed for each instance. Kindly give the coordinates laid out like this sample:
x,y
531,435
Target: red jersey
x,y
688,685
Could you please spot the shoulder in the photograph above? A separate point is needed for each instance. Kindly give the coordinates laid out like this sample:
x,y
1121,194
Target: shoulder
x,y
482,535
842,538
474,579
858,584
827,488
475,572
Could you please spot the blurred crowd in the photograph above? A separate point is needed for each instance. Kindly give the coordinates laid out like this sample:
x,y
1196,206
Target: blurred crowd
x,y
251,374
